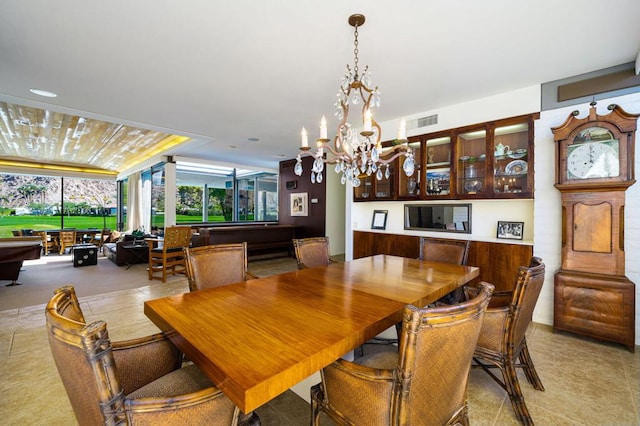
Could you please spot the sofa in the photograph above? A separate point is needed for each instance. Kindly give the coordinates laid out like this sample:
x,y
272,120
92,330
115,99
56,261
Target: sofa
x,y
127,250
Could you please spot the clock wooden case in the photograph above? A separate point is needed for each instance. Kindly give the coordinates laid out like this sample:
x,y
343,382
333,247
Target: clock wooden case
x,y
594,168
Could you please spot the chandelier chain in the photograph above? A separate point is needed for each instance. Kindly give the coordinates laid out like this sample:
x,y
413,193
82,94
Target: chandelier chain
x,y
355,51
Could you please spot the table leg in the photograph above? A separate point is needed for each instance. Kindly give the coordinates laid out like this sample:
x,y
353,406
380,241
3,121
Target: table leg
x,y
249,419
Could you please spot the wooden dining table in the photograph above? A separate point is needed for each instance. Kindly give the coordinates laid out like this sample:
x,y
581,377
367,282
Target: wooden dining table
x,y
80,233
255,339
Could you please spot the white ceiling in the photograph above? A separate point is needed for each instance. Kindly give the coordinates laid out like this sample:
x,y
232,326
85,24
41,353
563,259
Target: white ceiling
x,y
226,71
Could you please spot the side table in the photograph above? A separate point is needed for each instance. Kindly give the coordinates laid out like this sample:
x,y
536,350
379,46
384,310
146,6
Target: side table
x,y
138,253
84,254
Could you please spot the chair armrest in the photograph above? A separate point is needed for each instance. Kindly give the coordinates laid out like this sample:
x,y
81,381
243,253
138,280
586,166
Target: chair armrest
x,y
208,403
143,360
152,242
500,299
361,371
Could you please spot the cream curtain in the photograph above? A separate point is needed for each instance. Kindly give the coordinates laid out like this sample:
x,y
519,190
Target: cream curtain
x,y
145,205
134,202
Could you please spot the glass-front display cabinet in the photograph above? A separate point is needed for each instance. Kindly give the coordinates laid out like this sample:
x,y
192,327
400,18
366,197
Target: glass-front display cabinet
x,y
510,159
471,163
384,188
486,160
365,191
438,170
409,186
371,188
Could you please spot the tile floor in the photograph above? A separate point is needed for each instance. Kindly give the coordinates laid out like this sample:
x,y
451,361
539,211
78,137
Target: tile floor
x,y
587,382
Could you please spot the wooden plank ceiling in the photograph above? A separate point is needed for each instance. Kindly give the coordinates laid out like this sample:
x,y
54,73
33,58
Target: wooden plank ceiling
x,y
45,137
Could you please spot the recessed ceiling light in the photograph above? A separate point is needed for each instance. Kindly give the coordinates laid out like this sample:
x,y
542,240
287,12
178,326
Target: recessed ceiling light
x,y
231,147
253,139
280,155
45,93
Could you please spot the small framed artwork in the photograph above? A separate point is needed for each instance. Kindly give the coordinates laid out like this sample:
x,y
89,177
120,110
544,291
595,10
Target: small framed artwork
x,y
510,230
379,220
300,204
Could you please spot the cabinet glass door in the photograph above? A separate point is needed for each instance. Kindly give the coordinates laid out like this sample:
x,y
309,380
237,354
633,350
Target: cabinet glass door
x,y
511,158
365,190
438,173
384,187
409,186
471,160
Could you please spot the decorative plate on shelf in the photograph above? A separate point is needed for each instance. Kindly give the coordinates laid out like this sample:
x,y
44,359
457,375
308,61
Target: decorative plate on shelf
x,y
473,186
516,167
519,153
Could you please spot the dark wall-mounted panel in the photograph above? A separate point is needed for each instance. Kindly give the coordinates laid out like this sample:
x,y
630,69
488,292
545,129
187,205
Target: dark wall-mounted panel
x,y
596,85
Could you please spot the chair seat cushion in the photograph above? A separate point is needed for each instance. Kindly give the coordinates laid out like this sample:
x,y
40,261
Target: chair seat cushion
x,y
179,382
385,357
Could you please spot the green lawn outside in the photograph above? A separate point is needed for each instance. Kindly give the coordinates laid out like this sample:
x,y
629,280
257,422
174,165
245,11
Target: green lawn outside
x,y
9,223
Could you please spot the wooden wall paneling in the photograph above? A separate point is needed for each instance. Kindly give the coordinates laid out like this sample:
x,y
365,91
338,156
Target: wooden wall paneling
x,y
312,225
372,243
362,244
498,262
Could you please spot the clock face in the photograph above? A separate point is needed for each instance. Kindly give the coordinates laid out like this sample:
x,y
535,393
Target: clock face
x,y
593,160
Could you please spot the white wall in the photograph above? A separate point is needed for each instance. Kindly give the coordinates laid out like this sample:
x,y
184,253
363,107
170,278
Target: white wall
x,y
541,215
484,219
335,212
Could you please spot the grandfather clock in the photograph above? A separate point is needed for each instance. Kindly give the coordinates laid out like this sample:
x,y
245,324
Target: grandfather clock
x,y
594,168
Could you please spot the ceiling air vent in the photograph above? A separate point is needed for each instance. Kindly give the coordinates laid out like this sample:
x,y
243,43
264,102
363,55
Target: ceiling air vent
x,y
423,122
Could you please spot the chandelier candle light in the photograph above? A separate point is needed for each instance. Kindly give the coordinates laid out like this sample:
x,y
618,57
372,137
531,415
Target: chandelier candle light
x,y
355,151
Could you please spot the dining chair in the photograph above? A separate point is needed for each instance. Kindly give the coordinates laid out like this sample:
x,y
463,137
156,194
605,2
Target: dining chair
x,y
46,241
443,250
169,259
424,382
435,250
100,238
447,251
216,265
312,252
137,381
88,237
502,343
66,240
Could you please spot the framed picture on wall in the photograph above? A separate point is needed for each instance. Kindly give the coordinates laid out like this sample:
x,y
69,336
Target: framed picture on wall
x,y
300,204
510,230
379,220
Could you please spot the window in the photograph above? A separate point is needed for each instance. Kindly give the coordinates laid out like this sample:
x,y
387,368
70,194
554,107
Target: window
x,y
207,193
157,196
30,202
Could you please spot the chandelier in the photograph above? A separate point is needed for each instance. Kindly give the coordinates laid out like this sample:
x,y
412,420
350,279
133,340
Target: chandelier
x,y
355,151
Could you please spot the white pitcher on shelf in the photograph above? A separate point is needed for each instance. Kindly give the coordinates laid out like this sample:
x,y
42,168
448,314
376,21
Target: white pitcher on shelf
x,y
502,149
